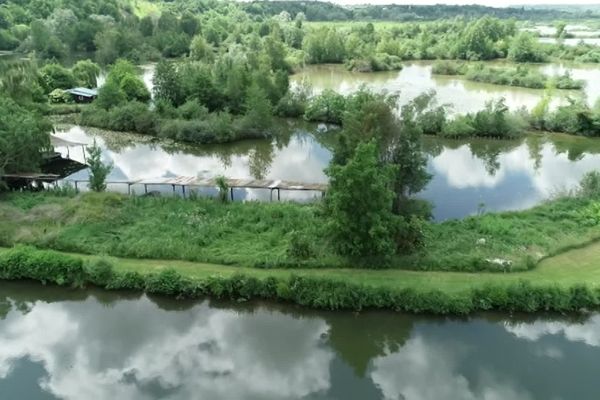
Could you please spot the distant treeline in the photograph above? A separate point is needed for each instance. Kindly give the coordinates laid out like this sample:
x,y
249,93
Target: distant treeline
x,y
324,11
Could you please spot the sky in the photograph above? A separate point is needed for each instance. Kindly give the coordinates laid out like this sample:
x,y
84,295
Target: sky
x,y
492,3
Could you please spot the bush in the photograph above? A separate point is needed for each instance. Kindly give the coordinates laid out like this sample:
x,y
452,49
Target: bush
x,y
589,187
300,246
459,127
448,68
100,272
45,266
329,106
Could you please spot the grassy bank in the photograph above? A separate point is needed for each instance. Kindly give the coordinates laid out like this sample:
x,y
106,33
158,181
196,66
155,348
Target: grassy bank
x,y
280,235
551,287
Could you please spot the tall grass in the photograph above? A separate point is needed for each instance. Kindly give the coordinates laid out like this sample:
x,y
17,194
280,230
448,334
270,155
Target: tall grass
x,y
282,235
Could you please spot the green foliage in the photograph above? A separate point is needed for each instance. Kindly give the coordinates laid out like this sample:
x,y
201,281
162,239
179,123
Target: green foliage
x,y
59,96
23,137
589,186
309,291
446,67
98,169
525,48
328,106
57,77
359,205
44,266
86,73
100,272
110,95
223,189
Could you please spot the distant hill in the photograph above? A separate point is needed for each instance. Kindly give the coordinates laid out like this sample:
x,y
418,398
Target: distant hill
x,y
324,11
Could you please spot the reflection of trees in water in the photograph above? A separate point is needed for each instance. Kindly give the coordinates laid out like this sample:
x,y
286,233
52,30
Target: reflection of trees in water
x,y
535,145
575,147
487,150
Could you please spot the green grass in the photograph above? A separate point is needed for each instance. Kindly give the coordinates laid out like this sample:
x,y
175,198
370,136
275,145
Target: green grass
x,y
259,234
575,267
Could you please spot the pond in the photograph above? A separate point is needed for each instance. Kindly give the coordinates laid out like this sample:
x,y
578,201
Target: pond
x,y
462,95
467,176
57,343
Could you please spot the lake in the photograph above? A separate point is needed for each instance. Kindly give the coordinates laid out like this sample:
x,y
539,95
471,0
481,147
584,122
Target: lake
x,y
57,343
467,176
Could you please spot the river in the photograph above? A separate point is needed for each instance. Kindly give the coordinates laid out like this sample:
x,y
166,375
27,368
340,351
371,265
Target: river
x,y
57,343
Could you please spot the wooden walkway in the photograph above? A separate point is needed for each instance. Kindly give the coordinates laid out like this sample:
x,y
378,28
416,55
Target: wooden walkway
x,y
187,182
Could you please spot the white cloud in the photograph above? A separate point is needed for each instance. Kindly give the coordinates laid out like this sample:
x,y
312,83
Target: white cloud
x,y
198,353
588,332
422,370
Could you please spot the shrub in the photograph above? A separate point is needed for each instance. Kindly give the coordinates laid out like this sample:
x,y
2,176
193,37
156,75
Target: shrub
x,y
300,246
589,185
329,106
100,272
448,68
459,127
45,266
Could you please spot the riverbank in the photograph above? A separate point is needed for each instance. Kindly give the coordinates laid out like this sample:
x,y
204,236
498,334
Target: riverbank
x,y
551,287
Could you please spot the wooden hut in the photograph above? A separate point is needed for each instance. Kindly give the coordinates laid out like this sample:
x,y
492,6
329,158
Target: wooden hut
x,y
83,95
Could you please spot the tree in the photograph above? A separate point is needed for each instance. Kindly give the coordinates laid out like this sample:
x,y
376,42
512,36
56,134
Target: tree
x,y
359,205
560,29
57,77
201,50
98,170
23,137
167,85
110,95
525,48
86,73
134,89
258,116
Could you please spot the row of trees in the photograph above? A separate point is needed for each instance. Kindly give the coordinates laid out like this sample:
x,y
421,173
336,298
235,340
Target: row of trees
x,y
112,29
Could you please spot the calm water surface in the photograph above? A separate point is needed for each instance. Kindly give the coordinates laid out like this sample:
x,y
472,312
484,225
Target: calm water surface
x,y
62,344
462,95
466,176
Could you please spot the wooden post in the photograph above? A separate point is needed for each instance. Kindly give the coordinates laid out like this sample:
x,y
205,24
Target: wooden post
x,y
271,195
183,190
231,193
76,188
129,188
278,194
145,188
173,189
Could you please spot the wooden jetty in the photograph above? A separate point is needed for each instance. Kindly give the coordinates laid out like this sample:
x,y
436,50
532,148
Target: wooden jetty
x,y
187,182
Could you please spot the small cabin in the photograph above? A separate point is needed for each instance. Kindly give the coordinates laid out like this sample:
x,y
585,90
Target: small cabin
x,y
83,95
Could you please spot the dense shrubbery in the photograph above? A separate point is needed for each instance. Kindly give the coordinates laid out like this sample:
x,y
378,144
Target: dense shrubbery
x,y
315,292
520,76
576,118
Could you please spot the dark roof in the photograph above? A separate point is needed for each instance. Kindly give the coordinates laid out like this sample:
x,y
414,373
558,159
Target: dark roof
x,y
83,92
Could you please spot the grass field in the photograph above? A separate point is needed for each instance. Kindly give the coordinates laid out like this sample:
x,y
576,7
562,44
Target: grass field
x,y
261,235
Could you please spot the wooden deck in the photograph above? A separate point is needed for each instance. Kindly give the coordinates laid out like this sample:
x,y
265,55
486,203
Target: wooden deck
x,y
187,182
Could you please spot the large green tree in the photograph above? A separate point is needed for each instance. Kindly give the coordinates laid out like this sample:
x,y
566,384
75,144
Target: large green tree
x,y
359,204
23,137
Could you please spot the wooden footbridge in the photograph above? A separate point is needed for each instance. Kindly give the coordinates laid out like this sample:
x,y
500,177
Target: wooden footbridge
x,y
188,182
